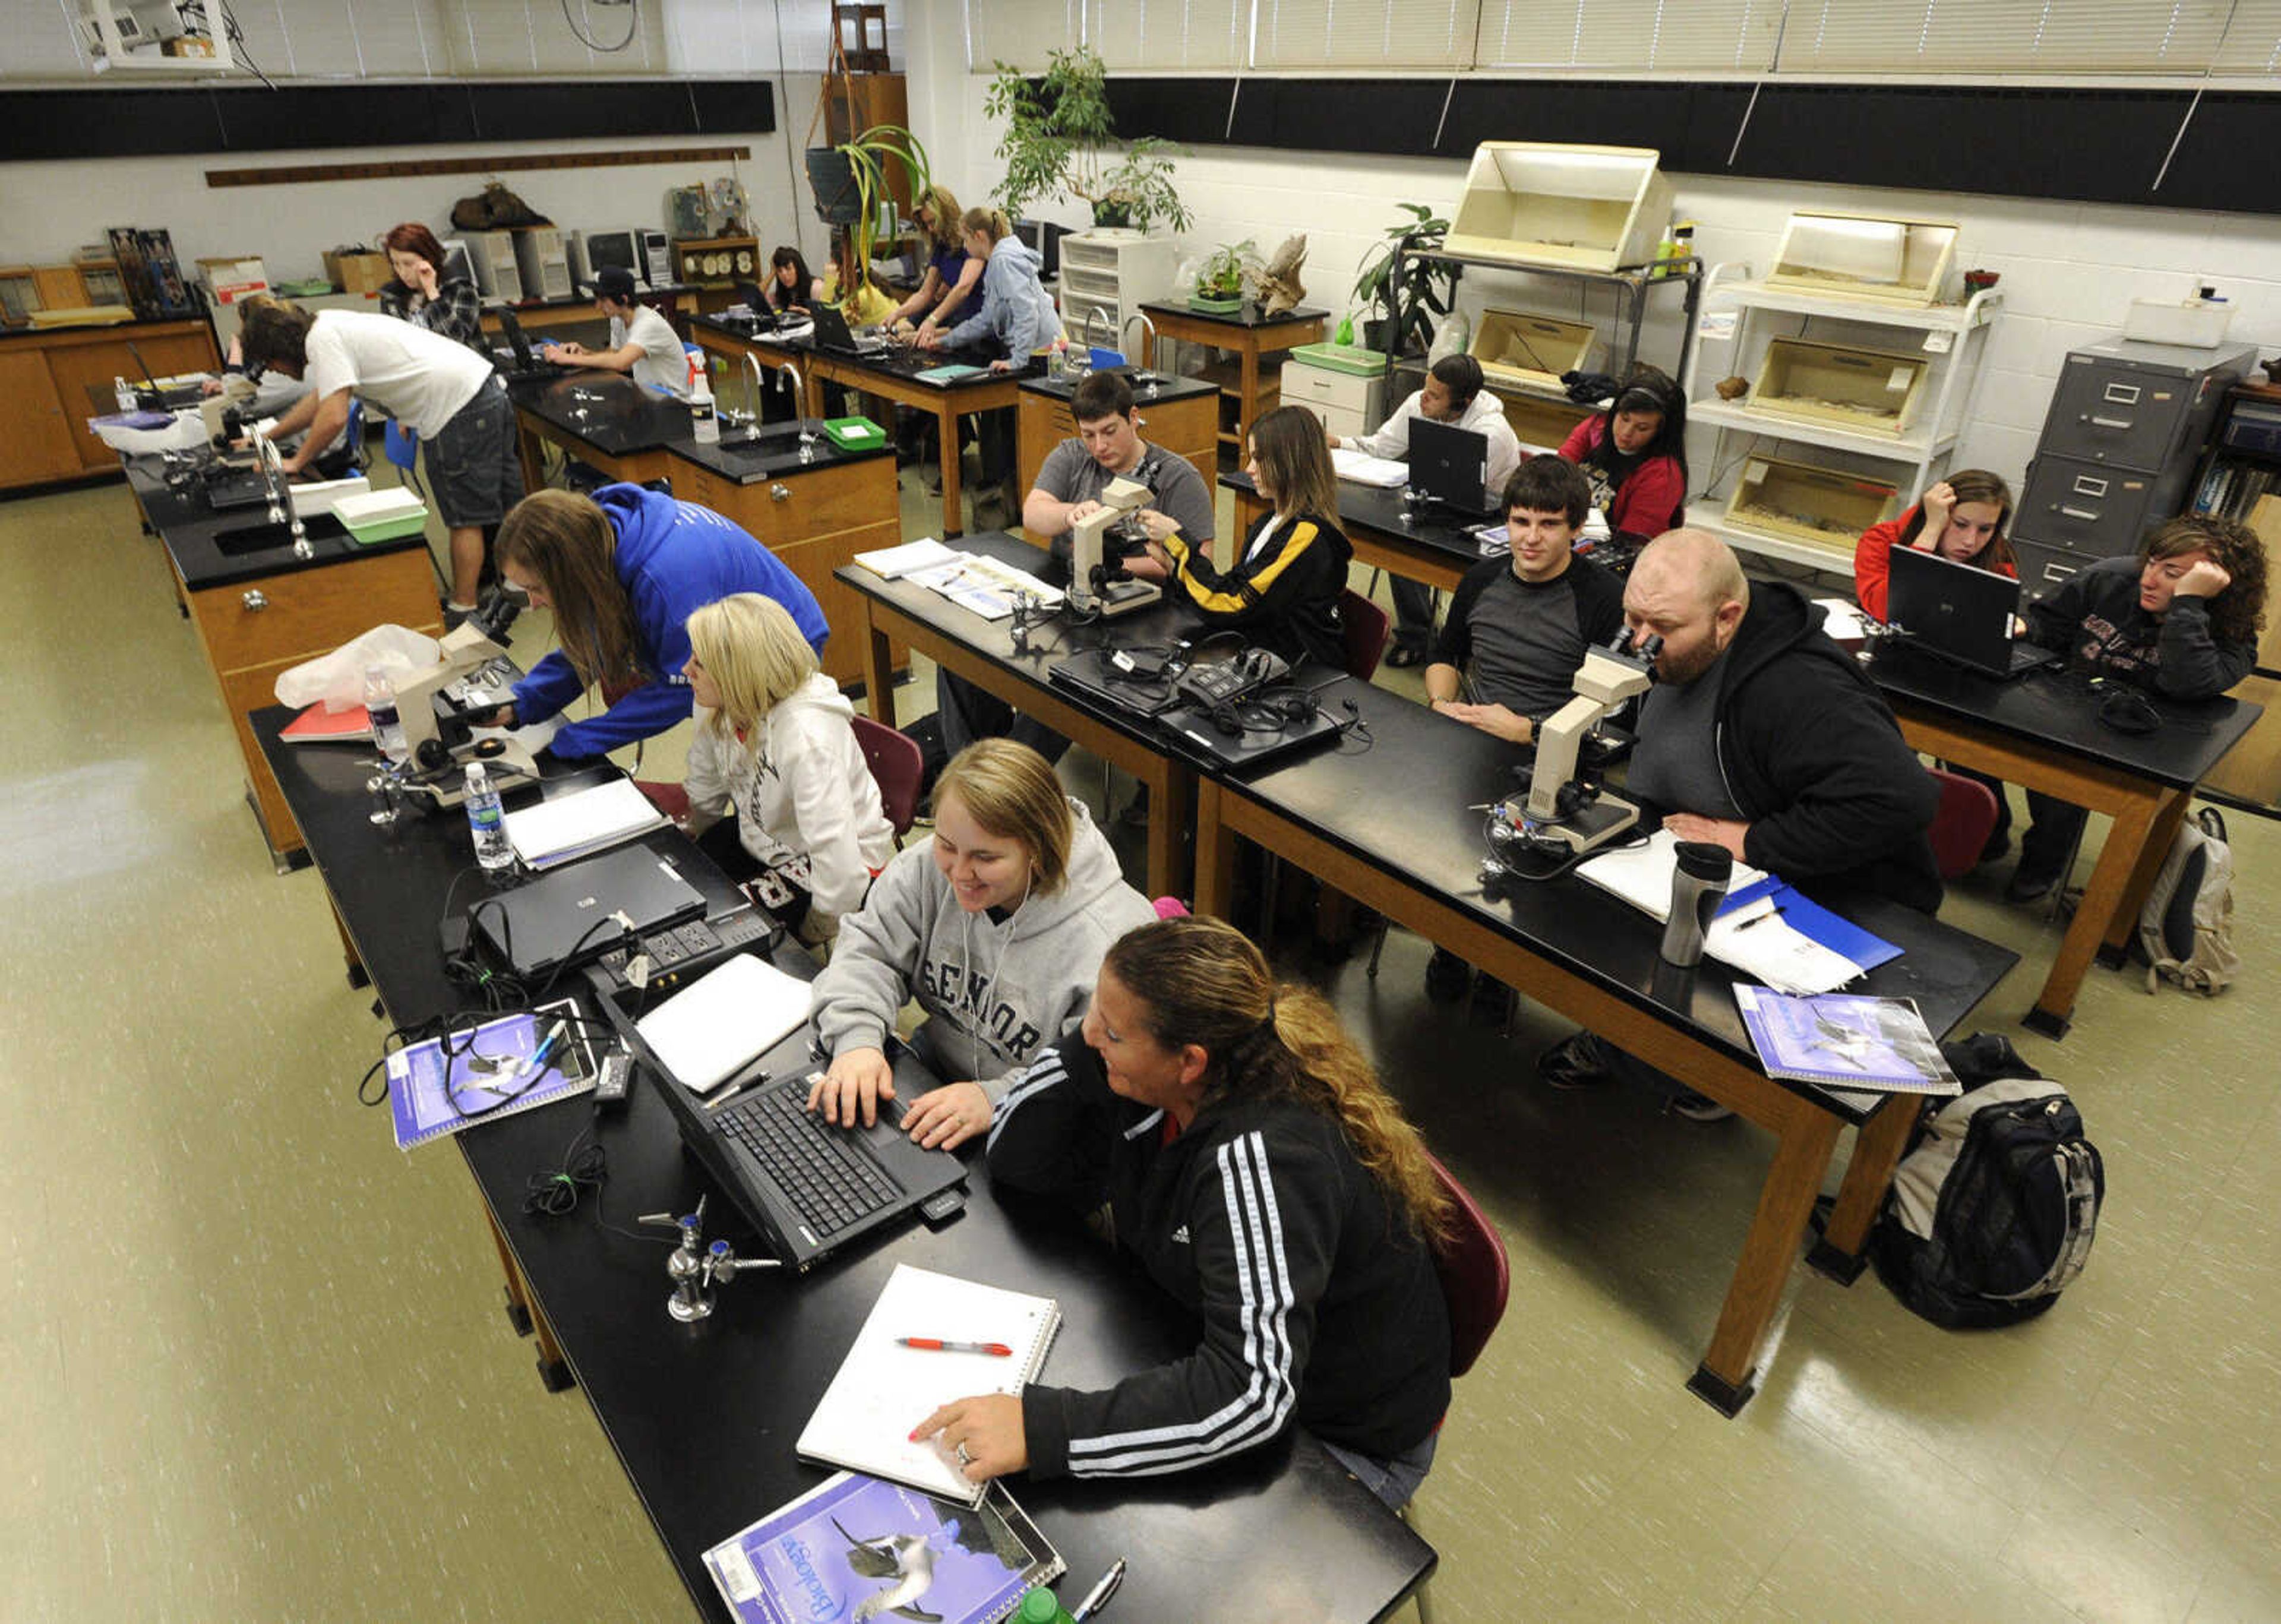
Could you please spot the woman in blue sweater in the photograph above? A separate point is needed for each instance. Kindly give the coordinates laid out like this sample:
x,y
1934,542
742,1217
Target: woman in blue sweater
x,y
623,571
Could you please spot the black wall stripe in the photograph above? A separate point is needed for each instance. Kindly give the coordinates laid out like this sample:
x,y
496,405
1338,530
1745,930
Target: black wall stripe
x,y
134,123
2083,145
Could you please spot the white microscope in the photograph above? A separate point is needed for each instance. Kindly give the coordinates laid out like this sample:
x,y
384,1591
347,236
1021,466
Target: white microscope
x,y
1559,810
1099,545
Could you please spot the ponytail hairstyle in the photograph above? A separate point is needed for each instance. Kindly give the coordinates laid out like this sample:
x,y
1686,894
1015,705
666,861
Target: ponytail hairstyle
x,y
1975,485
1201,981
571,545
992,223
1650,389
2238,614
753,650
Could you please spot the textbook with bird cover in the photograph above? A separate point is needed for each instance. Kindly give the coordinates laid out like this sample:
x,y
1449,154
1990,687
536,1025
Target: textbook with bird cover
x,y
1846,1041
859,1548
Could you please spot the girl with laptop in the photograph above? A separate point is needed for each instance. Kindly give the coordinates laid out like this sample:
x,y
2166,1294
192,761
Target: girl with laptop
x,y
1635,453
780,791
1250,1160
623,571
1962,518
2180,620
791,287
995,928
1281,591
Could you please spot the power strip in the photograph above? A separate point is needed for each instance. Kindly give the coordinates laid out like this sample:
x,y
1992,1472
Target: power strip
x,y
674,956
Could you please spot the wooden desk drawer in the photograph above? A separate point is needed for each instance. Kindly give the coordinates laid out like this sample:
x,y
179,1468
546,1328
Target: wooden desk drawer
x,y
798,507
303,613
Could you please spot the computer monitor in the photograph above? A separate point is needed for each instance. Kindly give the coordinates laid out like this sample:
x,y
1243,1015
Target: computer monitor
x,y
455,260
1044,238
612,248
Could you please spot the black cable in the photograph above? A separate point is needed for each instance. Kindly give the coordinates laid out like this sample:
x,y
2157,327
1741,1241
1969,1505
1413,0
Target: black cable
x,y
235,35
633,23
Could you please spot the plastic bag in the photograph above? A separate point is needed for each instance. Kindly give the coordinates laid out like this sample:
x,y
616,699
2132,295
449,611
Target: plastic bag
x,y
337,678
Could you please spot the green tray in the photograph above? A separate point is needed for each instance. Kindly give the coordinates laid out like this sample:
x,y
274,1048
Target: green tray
x,y
387,530
303,289
1351,358
855,433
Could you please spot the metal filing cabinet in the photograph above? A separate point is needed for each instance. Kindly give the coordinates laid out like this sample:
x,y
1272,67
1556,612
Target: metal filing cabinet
x,y
2125,430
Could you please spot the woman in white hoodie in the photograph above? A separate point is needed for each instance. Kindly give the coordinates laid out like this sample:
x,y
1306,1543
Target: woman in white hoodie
x,y
997,928
776,761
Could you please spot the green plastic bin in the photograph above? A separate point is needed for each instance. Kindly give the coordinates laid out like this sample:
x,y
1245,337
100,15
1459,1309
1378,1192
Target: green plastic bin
x,y
1351,358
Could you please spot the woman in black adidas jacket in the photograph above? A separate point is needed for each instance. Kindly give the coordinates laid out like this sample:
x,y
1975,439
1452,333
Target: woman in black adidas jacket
x,y
1247,1155
1281,590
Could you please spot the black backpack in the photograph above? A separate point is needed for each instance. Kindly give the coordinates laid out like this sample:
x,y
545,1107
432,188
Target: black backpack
x,y
1991,1213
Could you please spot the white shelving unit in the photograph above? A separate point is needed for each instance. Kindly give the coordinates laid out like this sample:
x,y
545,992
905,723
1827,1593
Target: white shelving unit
x,y
1110,269
1955,335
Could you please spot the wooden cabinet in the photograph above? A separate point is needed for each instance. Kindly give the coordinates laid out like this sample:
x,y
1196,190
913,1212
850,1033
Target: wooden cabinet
x,y
45,379
814,520
252,630
37,440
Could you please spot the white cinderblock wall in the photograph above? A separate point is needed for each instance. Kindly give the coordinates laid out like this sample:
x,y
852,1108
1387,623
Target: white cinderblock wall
x,y
2069,270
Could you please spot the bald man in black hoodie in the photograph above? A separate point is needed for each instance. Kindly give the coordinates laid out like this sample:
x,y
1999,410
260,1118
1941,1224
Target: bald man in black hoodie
x,y
1763,736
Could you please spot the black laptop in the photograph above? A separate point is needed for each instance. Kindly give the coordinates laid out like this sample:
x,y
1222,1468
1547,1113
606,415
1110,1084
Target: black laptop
x,y
1133,681
810,1186
528,362
1451,465
581,911
1959,613
833,333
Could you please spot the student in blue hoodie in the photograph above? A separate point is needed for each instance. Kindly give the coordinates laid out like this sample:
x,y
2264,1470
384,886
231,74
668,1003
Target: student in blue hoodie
x,y
1016,320
623,571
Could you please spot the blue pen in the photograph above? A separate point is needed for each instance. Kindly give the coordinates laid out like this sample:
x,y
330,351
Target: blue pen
x,y
537,1060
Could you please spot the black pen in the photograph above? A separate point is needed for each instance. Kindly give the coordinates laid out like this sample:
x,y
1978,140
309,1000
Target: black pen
x,y
1771,913
1098,1597
740,1091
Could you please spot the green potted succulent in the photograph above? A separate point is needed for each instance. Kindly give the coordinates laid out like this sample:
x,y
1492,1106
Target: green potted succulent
x,y
1220,279
1426,290
1061,141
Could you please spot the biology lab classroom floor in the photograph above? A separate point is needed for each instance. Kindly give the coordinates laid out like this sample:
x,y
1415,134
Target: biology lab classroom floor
x,y
256,1367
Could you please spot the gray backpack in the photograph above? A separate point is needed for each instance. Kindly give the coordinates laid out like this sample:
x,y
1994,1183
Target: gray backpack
x,y
2185,930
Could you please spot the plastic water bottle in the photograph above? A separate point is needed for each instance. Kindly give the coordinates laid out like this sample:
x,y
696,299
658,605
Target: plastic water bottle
x,y
487,820
123,392
380,705
704,422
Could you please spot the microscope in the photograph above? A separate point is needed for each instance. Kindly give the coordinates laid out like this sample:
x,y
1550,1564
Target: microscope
x,y
1099,545
1560,809
223,415
436,709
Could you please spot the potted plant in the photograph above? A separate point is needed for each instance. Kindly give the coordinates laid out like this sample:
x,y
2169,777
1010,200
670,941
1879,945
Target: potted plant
x,y
850,183
1426,290
1061,141
1220,279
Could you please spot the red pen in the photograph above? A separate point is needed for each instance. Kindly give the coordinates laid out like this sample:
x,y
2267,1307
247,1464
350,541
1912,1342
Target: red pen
x,y
935,1344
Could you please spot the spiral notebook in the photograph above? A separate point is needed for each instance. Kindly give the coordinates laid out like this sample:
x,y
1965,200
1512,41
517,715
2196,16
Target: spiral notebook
x,y
883,1389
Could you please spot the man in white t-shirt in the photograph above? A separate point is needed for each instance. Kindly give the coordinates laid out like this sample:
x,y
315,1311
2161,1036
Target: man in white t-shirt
x,y
642,342
435,386
1453,395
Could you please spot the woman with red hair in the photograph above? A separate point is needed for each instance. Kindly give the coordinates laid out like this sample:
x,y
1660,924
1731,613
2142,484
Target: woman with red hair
x,y
424,295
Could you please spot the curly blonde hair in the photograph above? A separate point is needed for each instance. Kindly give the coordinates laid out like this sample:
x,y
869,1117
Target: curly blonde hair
x,y
1201,981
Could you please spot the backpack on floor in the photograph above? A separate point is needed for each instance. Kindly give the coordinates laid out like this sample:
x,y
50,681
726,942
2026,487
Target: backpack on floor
x,y
2185,930
1991,1213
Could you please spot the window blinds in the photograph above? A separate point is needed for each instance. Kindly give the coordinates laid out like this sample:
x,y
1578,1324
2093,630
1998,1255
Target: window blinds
x,y
1630,36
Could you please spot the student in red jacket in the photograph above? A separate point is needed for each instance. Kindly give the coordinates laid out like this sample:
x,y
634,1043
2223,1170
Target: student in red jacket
x,y
1962,518
1635,453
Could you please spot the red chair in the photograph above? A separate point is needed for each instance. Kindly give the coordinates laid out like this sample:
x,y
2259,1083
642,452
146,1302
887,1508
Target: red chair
x,y
1961,826
1475,1281
670,799
899,765
1367,628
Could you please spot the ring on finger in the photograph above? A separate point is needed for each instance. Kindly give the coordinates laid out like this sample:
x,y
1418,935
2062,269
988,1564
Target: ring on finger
x,y
965,1459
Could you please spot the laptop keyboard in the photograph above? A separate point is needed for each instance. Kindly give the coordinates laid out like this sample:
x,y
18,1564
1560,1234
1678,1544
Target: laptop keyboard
x,y
829,1178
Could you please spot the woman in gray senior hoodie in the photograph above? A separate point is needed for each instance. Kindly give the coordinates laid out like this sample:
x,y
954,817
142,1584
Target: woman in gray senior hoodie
x,y
997,928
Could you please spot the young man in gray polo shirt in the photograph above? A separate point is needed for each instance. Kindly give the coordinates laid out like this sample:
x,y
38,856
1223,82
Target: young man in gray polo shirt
x,y
1070,483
